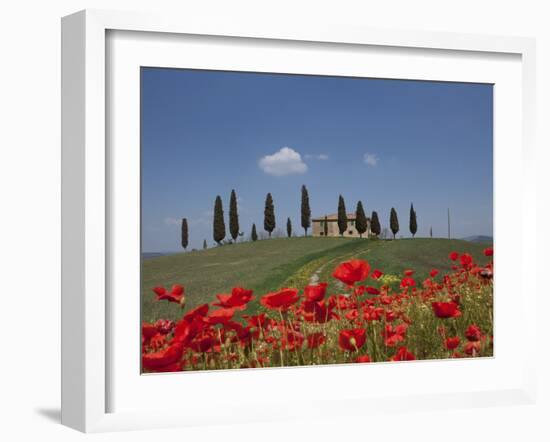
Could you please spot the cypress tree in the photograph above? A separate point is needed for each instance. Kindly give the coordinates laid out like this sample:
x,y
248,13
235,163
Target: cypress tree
x,y
394,222
325,226
306,211
233,216
375,227
204,245
431,233
184,234
412,221
360,219
269,215
288,228
219,223
254,235
342,216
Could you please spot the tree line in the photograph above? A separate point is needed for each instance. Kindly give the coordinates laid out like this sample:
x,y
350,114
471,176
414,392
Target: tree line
x,y
361,221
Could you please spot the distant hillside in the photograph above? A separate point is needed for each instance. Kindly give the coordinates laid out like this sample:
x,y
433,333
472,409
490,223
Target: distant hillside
x,y
149,255
479,238
267,265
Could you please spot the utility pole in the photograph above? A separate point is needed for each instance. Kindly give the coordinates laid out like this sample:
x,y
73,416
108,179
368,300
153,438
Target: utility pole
x,y
449,223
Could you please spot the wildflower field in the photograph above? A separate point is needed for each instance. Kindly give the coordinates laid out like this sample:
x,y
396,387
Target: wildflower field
x,y
358,314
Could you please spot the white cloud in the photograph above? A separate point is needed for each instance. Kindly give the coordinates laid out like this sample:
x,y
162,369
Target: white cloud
x,y
171,221
370,159
284,162
315,156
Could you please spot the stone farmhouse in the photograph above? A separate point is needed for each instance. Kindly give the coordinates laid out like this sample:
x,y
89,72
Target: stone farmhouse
x,y
328,226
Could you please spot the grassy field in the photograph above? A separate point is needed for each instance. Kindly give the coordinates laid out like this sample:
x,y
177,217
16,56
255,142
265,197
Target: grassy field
x,y
267,265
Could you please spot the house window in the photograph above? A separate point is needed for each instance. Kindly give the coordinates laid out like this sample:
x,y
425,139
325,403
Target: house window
x,y
350,232
322,233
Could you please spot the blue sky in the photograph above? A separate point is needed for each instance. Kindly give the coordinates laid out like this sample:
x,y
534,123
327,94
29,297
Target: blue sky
x,y
385,142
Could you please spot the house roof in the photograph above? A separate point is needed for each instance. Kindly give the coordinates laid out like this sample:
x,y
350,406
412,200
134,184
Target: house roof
x,y
334,217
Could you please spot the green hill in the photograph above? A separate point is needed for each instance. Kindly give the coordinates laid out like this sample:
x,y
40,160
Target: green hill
x,y
267,265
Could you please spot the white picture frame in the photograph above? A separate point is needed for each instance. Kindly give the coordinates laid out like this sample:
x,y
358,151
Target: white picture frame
x,y
86,207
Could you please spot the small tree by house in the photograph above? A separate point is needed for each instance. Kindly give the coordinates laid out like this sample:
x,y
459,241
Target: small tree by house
x,y
233,216
325,226
254,235
360,219
412,221
269,215
288,228
184,234
342,216
306,211
394,222
375,226
204,245
219,223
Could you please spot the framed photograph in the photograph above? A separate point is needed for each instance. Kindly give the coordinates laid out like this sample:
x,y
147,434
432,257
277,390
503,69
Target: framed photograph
x,y
253,213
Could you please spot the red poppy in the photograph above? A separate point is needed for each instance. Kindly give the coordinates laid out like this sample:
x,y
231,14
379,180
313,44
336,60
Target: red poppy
x,y
320,312
260,320
352,339
392,336
403,354
292,340
353,271
408,272
244,335
472,348
376,274
453,256
238,298
148,330
314,340
198,312
372,291
175,295
360,290
221,316
488,251
158,341
373,313
434,273
362,359
315,292
466,261
452,343
446,310
203,342
186,330
281,300
159,360
473,333
390,315
407,282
